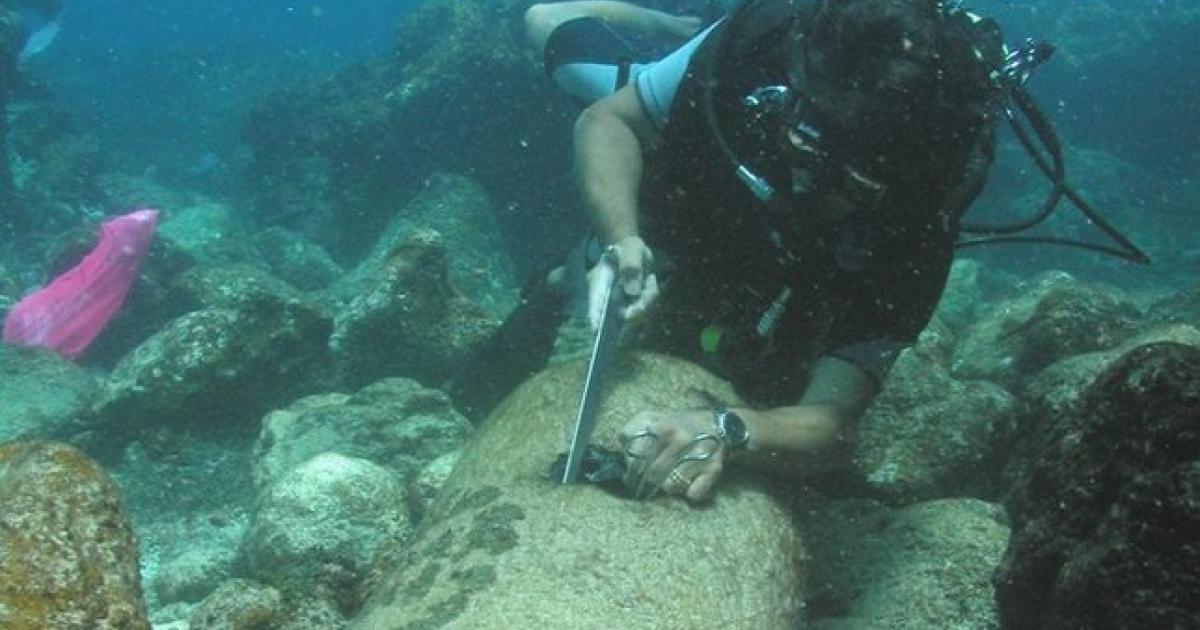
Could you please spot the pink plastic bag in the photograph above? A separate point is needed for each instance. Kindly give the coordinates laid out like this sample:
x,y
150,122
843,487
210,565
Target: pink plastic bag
x,y
67,314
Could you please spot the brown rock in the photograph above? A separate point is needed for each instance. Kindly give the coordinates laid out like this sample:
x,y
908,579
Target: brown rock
x,y
68,558
503,547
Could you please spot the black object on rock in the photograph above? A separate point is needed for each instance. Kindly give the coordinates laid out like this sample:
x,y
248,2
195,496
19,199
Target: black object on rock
x,y
600,467
1106,524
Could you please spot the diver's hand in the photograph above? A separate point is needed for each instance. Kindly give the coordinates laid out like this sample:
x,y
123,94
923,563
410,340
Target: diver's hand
x,y
677,452
629,261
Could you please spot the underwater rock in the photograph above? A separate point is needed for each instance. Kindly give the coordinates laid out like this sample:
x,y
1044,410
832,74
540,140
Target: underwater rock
x,y
1052,317
425,486
209,233
318,528
504,547
233,286
191,576
408,321
121,190
68,558
43,394
928,565
962,299
296,260
929,435
219,366
1181,308
238,604
1106,527
395,423
459,210
10,291
1059,388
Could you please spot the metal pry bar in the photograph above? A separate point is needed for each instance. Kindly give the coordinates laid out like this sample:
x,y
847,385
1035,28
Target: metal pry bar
x,y
603,349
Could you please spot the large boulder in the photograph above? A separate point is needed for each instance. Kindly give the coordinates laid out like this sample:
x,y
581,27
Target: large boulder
x,y
43,394
1106,527
220,366
395,422
1050,318
504,547
296,260
459,210
209,233
1059,389
929,435
871,564
68,558
407,320
319,528
238,604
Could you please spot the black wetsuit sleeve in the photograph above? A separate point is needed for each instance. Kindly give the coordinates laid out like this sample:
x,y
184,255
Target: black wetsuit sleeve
x,y
887,312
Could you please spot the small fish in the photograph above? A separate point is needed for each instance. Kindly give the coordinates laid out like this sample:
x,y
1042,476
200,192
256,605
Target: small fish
x,y
39,41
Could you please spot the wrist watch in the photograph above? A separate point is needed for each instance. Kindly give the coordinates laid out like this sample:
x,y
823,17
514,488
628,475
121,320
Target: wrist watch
x,y
732,429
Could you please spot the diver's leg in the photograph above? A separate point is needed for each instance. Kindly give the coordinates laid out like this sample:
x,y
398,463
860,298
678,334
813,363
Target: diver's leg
x,y
542,19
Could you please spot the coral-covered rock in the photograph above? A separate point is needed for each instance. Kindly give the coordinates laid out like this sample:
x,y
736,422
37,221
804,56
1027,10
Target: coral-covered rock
x,y
395,423
504,547
318,528
223,365
424,488
1059,388
296,260
459,210
191,576
68,558
962,299
44,394
1106,528
928,565
238,604
233,286
1051,318
409,321
929,435
210,233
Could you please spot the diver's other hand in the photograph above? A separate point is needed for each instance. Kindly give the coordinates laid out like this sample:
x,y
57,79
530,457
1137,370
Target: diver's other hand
x,y
629,261
677,452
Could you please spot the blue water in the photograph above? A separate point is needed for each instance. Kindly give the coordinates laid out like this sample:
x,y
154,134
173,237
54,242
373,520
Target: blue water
x,y
165,82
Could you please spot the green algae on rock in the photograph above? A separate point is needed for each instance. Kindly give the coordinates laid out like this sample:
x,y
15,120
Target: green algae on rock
x,y
504,547
68,558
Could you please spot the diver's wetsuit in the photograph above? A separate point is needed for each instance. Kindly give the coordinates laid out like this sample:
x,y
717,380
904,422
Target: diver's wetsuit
x,y
861,282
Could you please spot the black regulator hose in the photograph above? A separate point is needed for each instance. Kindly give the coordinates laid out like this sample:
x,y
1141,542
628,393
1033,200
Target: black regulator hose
x,y
1055,172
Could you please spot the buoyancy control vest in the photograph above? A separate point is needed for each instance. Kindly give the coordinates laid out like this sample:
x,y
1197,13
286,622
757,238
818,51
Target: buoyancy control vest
x,y
849,265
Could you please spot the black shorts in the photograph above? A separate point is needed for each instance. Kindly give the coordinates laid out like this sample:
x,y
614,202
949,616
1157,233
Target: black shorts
x,y
589,60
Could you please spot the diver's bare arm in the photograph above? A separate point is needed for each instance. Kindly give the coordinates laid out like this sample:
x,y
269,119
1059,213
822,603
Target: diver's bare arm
x,y
837,396
610,136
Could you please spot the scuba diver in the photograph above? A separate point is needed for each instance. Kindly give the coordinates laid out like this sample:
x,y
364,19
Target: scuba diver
x,y
787,190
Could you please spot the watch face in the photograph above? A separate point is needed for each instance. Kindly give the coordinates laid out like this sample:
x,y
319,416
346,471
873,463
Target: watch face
x,y
733,428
